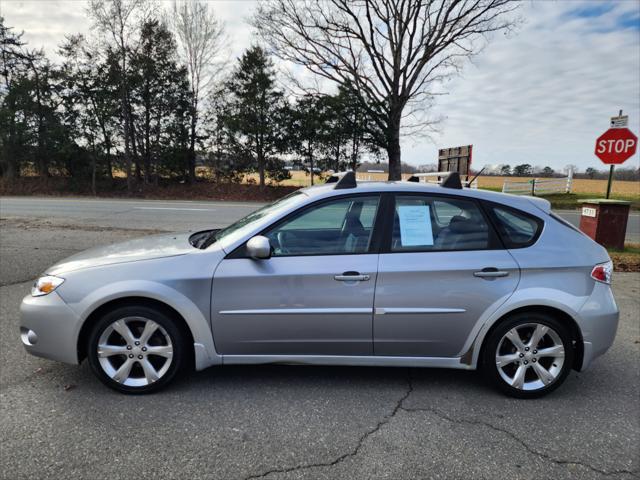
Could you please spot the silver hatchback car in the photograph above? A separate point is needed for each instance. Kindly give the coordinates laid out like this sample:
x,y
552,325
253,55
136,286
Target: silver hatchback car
x,y
377,274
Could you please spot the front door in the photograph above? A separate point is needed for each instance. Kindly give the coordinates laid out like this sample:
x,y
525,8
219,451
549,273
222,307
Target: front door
x,y
314,296
441,269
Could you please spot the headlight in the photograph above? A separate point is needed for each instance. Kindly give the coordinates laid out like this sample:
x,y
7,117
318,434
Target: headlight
x,y
45,285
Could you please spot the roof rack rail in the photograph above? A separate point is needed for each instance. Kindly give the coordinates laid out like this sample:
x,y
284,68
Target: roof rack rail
x,y
343,180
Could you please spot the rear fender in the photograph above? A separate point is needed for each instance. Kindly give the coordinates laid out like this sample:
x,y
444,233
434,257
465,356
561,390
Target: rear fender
x,y
531,297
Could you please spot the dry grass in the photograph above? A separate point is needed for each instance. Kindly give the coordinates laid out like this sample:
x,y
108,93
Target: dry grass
x,y
298,179
302,179
580,185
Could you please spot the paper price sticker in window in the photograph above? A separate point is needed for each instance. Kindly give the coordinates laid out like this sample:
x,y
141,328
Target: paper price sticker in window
x,y
415,225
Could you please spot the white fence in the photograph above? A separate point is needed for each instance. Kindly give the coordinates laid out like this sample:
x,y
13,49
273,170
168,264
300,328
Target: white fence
x,y
539,186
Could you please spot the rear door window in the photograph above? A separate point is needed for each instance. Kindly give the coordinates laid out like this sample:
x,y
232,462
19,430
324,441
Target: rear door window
x,y
423,223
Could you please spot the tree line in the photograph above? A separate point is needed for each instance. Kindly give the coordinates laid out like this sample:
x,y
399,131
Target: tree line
x,y
133,107
147,97
527,170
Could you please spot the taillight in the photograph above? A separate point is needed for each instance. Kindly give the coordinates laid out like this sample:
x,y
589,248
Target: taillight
x,y
602,272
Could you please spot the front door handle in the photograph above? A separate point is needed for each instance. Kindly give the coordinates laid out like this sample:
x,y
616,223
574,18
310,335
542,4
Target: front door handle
x,y
351,277
490,272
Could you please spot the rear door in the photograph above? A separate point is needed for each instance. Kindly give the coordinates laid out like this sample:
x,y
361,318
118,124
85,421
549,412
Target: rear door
x,y
441,268
314,296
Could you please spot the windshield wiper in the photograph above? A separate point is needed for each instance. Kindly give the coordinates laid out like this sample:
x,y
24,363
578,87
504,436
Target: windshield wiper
x,y
204,238
211,238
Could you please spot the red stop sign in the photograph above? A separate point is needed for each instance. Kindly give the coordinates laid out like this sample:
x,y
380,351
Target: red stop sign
x,y
616,145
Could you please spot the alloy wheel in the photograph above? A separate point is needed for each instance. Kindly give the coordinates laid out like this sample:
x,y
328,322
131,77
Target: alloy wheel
x,y
530,356
135,351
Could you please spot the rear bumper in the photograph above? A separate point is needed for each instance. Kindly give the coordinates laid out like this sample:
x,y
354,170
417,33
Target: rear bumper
x,y
49,328
598,322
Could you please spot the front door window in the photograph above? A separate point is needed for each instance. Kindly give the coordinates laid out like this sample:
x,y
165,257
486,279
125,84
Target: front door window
x,y
338,227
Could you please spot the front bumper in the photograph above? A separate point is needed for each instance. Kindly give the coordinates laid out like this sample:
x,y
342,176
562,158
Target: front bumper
x,y
49,328
598,322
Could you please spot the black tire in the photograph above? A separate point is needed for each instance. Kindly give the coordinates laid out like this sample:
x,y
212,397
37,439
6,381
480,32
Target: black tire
x,y
492,342
178,361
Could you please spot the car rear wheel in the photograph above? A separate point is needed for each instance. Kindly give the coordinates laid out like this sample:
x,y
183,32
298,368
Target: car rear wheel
x,y
528,355
136,349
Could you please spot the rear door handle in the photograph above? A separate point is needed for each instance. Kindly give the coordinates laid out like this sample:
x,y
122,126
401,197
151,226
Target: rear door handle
x,y
490,272
351,277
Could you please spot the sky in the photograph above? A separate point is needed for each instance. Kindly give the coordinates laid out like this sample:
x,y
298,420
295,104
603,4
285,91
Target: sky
x,y
540,95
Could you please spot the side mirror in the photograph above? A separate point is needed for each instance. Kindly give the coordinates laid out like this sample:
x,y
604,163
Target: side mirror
x,y
259,248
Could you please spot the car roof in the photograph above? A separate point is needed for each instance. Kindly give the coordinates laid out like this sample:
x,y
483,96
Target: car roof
x,y
532,205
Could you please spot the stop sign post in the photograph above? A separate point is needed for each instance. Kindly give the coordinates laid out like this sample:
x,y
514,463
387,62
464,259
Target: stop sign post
x,y
615,146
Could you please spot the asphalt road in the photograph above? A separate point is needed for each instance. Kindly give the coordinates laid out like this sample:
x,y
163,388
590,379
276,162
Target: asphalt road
x,y
167,214
288,422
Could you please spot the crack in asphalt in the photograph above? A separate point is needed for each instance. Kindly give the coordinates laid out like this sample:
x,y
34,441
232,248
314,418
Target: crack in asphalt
x,y
399,406
54,249
350,454
18,282
514,437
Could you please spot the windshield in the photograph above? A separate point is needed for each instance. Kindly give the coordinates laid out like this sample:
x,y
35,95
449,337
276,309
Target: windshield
x,y
239,228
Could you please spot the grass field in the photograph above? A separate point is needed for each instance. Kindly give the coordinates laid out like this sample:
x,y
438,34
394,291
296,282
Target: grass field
x,y
582,188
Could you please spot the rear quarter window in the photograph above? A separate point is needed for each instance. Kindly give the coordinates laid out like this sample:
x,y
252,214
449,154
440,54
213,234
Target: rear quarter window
x,y
565,222
517,229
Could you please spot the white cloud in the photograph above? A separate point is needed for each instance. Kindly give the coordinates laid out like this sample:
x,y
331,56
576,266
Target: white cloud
x,y
541,96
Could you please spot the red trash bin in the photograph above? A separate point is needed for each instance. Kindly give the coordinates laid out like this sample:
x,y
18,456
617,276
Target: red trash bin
x,y
605,221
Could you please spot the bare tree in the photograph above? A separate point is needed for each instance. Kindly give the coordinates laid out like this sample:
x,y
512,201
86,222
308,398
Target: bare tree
x,y
393,51
202,41
117,20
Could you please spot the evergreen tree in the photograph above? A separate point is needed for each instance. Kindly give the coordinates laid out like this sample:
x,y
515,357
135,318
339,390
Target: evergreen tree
x,y
158,86
256,113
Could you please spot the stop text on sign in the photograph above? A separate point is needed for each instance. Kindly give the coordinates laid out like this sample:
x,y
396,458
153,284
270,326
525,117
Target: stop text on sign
x,y
617,146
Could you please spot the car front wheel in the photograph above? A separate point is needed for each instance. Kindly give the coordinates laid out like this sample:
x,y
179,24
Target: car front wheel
x,y
528,355
136,349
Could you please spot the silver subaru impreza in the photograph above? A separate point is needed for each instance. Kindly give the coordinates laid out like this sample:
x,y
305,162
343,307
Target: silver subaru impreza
x,y
377,274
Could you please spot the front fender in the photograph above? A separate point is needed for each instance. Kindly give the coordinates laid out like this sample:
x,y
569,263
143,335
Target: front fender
x,y
205,351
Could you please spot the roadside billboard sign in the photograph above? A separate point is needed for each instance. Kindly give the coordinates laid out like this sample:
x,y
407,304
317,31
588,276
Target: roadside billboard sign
x,y
455,159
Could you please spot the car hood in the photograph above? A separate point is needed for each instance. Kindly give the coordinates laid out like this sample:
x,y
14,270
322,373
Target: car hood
x,y
145,248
